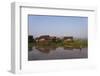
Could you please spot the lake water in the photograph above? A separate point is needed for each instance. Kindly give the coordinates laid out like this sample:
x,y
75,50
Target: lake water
x,y
56,53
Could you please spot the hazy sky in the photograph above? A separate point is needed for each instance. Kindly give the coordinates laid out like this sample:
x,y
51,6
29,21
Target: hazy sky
x,y
58,26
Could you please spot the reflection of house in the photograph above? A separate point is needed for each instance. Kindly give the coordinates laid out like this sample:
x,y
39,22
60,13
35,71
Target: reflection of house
x,y
44,50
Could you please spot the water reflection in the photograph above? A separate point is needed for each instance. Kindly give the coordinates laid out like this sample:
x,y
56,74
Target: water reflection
x,y
45,52
58,53
30,49
47,49
68,48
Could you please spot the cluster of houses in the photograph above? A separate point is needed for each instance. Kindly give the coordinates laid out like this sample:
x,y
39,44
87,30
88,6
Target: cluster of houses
x,y
46,38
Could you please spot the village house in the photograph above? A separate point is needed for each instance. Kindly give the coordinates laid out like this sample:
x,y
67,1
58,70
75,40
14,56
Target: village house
x,y
44,39
68,39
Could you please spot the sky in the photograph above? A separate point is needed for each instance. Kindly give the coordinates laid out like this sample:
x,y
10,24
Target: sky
x,y
58,26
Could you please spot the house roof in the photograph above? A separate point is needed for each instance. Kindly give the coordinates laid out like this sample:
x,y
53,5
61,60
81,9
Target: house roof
x,y
44,36
70,37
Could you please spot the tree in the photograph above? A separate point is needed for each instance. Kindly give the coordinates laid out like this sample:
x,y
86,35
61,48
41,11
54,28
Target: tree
x,y
30,38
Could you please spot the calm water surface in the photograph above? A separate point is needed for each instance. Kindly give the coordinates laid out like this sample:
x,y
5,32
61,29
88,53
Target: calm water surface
x,y
56,53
